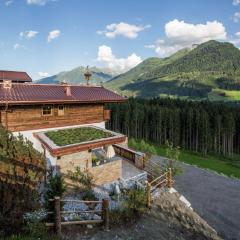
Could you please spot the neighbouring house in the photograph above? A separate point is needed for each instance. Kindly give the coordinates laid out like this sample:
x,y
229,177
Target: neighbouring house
x,y
67,124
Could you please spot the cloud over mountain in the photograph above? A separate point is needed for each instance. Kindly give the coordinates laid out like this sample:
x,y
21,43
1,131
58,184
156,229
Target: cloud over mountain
x,y
106,57
179,34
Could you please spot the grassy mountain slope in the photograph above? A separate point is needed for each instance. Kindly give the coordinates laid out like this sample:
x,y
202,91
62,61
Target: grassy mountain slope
x,y
76,76
209,71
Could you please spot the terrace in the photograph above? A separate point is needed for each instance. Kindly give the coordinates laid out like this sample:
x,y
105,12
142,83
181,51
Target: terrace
x,y
99,150
70,140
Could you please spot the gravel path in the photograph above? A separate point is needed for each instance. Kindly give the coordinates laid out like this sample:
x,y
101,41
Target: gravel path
x,y
215,198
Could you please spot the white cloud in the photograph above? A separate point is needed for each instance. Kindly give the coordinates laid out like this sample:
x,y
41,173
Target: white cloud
x,y
180,35
123,29
39,2
17,46
236,17
53,35
43,74
236,39
120,65
8,3
236,2
28,34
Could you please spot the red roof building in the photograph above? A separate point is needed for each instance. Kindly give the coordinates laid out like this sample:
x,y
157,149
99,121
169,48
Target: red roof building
x,y
14,76
19,93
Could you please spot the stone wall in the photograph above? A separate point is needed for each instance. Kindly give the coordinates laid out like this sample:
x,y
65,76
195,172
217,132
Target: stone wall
x,y
105,173
71,161
108,172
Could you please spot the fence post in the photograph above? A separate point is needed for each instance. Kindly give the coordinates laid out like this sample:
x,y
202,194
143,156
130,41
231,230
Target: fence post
x,y
105,209
57,216
148,194
169,178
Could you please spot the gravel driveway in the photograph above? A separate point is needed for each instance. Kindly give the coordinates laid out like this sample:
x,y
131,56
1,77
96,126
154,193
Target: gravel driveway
x,y
215,198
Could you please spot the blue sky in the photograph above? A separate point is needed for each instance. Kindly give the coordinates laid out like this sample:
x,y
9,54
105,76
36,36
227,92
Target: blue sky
x,y
44,37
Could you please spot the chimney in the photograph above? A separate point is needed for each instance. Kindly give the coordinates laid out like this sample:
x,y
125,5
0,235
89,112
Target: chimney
x,y
7,84
67,90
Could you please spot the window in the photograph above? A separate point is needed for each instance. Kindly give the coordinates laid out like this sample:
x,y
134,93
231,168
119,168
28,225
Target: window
x,y
61,110
47,110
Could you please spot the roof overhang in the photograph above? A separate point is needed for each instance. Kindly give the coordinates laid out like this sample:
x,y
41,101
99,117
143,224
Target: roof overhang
x,y
59,102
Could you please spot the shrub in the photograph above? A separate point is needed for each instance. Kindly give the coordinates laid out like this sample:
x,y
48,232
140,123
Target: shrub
x,y
55,187
83,179
89,196
22,169
172,154
136,201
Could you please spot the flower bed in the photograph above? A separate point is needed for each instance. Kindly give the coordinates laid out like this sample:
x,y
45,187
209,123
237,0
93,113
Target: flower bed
x,y
76,135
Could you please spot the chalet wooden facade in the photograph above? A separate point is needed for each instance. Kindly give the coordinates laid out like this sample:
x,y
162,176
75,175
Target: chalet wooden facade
x,y
33,110
41,116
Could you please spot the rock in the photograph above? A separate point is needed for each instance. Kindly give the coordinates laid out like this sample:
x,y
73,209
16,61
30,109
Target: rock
x,y
185,201
89,226
96,217
172,190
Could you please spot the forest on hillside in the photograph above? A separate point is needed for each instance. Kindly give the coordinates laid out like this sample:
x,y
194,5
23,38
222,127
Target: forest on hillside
x,y
203,127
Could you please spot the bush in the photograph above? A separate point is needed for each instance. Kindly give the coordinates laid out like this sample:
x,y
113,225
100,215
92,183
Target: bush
x,y
55,188
172,154
83,179
89,196
136,201
22,169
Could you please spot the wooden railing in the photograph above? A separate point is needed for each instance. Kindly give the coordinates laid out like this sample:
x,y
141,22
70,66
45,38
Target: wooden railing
x,y
57,213
165,180
129,154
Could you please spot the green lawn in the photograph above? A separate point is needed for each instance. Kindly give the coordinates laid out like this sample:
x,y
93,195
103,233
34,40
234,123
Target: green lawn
x,y
226,166
221,165
76,135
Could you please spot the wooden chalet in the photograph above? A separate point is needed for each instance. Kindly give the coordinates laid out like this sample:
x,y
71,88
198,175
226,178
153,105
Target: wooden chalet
x,y
34,109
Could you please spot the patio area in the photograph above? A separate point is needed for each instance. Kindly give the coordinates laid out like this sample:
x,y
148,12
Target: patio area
x,y
129,170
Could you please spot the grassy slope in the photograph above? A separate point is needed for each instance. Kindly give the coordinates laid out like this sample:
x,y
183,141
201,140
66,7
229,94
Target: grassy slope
x,y
193,74
218,164
228,167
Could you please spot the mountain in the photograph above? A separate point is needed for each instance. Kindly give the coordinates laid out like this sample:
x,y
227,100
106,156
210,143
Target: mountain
x,y
209,71
76,76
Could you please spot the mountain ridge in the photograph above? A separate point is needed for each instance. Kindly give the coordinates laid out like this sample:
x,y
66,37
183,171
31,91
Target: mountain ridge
x,y
76,76
208,71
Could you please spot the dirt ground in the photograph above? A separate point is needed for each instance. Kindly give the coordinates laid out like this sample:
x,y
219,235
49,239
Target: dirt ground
x,y
168,219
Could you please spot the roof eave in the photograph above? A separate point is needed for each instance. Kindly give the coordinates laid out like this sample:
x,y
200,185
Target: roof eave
x,y
60,101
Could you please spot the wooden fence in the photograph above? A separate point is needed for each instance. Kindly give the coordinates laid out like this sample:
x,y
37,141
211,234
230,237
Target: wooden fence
x,y
57,214
165,180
